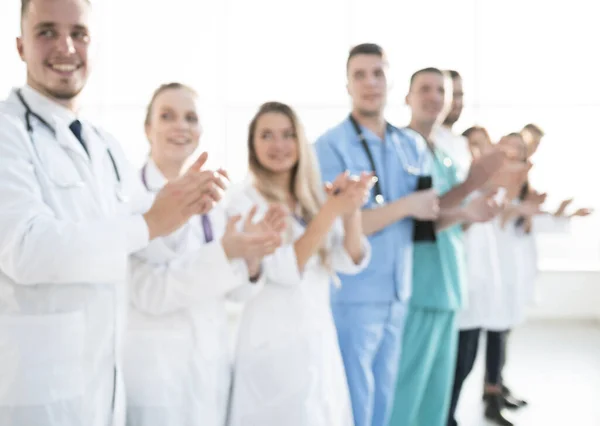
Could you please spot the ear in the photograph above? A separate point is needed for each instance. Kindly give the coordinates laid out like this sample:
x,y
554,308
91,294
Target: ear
x,y
407,99
348,88
20,49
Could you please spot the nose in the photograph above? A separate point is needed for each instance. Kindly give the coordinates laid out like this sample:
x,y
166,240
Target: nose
x,y
371,80
278,142
182,124
66,45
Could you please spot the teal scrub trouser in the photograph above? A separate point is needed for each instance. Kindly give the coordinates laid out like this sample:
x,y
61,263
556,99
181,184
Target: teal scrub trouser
x,y
427,367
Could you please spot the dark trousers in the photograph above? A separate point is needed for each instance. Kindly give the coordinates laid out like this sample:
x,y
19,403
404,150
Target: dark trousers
x,y
468,342
495,356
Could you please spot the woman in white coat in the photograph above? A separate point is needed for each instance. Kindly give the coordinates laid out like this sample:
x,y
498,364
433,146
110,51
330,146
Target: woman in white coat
x,y
484,279
288,368
516,230
177,360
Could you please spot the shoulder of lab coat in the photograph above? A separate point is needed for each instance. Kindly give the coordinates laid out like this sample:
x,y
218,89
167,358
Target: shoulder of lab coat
x,y
163,280
36,246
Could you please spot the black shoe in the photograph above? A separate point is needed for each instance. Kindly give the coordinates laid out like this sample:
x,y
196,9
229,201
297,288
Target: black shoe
x,y
511,401
494,410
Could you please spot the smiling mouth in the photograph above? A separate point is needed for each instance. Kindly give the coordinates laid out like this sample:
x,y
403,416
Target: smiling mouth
x,y
278,157
64,68
179,142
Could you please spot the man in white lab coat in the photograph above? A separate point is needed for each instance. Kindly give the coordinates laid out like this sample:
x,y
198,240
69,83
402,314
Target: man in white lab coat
x,y
70,215
456,146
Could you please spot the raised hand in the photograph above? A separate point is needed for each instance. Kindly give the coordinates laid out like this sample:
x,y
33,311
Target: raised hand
x,y
347,194
513,174
482,208
424,204
245,245
582,212
193,193
560,211
273,221
484,167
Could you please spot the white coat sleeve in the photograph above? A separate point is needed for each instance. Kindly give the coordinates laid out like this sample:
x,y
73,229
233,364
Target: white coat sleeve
x,y
340,259
163,281
36,246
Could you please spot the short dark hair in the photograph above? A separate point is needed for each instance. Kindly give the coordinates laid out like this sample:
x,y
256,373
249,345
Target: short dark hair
x,y
425,71
365,49
533,128
25,5
452,74
514,135
467,133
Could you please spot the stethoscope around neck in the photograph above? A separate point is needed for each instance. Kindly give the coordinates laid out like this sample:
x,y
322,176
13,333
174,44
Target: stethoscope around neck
x,y
412,170
29,113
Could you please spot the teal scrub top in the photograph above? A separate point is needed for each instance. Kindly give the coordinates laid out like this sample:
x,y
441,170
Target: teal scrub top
x,y
439,268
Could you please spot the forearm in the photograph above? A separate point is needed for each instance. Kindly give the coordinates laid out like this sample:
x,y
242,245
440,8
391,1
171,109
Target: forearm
x,y
316,231
449,217
352,237
456,196
378,218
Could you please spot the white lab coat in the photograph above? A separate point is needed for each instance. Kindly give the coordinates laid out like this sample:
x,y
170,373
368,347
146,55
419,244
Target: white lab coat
x,y
288,368
63,267
178,361
484,281
456,147
518,270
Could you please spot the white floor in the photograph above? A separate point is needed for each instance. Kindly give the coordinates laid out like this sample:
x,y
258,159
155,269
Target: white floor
x,y
555,366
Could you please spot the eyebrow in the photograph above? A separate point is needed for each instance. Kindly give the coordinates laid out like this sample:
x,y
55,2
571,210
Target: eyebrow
x,y
46,25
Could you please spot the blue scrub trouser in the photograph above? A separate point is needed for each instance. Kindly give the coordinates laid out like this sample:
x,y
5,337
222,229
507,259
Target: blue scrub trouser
x,y
426,368
370,337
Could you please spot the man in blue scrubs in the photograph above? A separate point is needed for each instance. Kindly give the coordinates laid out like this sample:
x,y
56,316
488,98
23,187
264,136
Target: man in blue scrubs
x,y
369,309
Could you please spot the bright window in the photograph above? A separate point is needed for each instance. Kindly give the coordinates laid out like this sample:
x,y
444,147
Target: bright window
x,y
522,61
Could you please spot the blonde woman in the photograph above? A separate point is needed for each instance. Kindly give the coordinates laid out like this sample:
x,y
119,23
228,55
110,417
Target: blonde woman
x,y
288,368
178,365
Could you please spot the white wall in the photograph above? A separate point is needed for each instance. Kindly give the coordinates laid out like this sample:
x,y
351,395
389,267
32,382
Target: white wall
x,y
567,295
518,65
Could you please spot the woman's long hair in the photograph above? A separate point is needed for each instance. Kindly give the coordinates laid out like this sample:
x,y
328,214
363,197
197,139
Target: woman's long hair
x,y
305,184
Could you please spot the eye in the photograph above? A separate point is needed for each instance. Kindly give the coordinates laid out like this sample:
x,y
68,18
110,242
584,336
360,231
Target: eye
x,y
191,118
166,116
81,35
289,135
359,75
379,73
47,33
266,135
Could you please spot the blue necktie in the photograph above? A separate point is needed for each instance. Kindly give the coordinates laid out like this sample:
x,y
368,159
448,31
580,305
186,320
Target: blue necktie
x,y
76,128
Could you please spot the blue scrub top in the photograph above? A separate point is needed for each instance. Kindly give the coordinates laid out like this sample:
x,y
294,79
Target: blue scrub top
x,y
388,277
439,268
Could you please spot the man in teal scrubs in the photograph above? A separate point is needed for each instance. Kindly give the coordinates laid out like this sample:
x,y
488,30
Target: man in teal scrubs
x,y
430,336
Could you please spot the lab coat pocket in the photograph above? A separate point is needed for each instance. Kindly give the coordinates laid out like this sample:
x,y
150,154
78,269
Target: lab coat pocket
x,y
59,167
41,358
157,367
